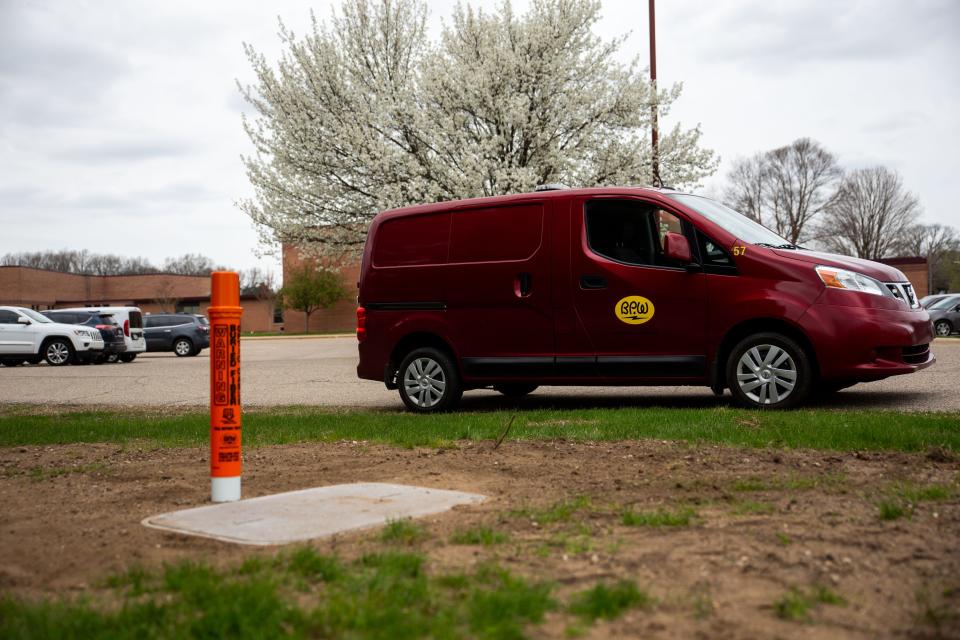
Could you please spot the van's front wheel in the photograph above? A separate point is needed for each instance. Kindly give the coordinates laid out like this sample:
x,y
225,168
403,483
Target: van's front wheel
x,y
429,382
769,371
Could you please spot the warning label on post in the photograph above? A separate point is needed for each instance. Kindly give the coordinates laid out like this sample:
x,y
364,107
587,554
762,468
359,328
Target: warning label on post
x,y
225,436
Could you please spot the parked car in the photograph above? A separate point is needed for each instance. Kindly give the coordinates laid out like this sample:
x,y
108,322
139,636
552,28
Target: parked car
x,y
621,286
113,342
131,321
945,315
926,301
185,334
27,336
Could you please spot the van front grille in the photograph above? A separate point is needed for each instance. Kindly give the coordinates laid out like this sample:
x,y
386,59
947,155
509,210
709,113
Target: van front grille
x,y
916,355
903,291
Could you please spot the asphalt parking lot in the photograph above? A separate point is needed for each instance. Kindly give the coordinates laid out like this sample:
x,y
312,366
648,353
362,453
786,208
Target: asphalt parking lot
x,y
322,371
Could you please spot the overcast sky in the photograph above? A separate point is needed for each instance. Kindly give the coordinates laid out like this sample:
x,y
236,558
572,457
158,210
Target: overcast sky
x,y
120,121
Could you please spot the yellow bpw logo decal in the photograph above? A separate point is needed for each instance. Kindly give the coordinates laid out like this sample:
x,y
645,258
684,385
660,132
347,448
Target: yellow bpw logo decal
x,y
634,310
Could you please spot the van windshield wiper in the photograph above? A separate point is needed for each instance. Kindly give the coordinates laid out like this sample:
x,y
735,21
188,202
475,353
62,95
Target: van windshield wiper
x,y
777,246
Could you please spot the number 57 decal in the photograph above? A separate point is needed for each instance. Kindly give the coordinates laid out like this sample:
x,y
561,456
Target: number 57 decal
x,y
739,250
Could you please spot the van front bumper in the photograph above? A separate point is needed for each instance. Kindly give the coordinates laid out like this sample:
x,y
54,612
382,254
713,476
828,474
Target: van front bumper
x,y
862,344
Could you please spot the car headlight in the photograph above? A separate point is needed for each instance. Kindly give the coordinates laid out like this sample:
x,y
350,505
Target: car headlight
x,y
850,280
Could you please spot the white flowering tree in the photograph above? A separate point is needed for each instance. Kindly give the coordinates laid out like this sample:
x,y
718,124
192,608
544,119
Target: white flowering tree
x,y
365,113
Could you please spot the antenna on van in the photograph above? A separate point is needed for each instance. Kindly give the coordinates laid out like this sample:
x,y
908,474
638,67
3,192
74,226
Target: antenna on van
x,y
552,186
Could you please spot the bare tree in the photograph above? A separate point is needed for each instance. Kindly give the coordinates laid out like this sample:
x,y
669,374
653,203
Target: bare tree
x,y
785,188
870,214
747,188
938,244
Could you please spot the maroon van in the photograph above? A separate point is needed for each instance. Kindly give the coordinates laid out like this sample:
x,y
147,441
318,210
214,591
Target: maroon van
x,y
621,286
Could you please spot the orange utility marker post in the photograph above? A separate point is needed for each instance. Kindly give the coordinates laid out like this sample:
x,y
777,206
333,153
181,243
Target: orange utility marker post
x,y
224,314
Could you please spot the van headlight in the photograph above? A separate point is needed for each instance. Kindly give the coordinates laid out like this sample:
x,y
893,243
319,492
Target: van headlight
x,y
850,280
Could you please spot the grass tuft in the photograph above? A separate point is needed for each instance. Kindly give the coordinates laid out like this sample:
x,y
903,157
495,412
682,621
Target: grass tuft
x,y
680,517
608,602
404,531
479,535
796,604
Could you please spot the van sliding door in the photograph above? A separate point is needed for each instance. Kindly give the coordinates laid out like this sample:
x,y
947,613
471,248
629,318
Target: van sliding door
x,y
499,290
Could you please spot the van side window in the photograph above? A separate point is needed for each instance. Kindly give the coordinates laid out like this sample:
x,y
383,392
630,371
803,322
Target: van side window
x,y
714,257
412,240
496,233
630,232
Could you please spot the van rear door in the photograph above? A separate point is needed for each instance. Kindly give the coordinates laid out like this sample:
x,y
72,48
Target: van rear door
x,y
645,315
499,290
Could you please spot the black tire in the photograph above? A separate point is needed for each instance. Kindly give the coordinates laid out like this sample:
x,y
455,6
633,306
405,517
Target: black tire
x,y
128,357
515,389
58,352
183,347
942,328
112,358
424,376
765,386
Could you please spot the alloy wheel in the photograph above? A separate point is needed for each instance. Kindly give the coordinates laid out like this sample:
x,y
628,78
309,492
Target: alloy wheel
x,y
766,374
58,353
943,329
424,382
182,347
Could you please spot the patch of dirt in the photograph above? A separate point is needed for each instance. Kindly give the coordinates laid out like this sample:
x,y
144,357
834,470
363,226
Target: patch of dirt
x,y
767,521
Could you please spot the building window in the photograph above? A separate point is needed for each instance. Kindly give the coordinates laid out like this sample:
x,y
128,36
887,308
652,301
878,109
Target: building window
x,y
278,312
188,307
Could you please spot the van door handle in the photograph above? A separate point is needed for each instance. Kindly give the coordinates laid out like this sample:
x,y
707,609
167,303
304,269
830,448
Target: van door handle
x,y
522,285
593,282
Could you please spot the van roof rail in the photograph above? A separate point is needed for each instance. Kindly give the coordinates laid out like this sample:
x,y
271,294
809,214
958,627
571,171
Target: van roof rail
x,y
552,186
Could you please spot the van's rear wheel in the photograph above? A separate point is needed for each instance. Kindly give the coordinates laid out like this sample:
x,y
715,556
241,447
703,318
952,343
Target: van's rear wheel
x,y
429,382
515,389
128,357
769,371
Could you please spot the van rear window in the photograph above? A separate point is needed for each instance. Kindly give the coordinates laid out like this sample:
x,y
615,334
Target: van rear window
x,y
412,240
496,233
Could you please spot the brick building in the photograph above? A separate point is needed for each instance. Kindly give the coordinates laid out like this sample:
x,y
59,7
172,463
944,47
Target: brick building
x,y
154,292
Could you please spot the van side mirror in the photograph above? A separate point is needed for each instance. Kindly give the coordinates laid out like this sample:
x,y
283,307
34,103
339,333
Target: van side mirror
x,y
22,320
676,247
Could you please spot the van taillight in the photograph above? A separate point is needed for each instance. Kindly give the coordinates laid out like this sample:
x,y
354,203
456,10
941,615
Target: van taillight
x,y
126,328
361,324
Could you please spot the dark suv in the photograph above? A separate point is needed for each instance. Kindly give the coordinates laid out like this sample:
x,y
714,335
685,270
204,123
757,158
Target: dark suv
x,y
185,334
113,340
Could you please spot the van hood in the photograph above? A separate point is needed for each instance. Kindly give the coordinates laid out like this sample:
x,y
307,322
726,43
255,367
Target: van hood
x,y
877,270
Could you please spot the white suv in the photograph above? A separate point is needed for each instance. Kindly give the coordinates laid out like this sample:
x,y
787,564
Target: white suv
x,y
27,336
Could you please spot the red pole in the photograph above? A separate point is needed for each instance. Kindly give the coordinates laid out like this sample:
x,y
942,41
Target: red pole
x,y
654,133
225,443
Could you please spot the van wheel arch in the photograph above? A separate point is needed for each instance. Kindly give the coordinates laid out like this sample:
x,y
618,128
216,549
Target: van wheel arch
x,y
415,341
718,375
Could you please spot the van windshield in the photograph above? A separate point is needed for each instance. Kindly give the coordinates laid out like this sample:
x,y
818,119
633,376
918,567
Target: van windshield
x,y
736,223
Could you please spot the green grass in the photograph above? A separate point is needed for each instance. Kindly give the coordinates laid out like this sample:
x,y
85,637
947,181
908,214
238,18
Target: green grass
x,y
828,430
901,498
404,531
386,595
608,601
561,511
796,604
679,517
479,535
816,429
